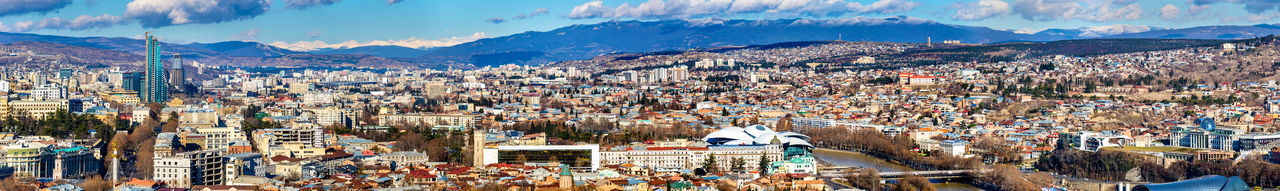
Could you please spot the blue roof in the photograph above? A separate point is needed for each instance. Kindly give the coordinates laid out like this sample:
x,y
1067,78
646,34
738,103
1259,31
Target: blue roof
x,y
1210,182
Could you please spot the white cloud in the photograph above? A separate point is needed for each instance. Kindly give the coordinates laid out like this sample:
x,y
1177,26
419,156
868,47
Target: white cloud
x,y
302,4
683,9
394,1
314,33
1253,6
1109,30
980,10
412,42
1094,11
1265,17
1041,10
1169,12
536,12
1196,9
16,7
522,16
83,22
159,13
1103,13
248,35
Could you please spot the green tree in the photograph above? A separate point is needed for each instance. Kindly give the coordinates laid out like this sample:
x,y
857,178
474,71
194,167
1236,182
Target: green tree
x,y
764,165
737,164
709,164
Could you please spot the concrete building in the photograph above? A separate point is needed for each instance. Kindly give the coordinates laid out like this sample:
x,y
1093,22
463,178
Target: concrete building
x,y
205,167
220,137
48,92
174,171
244,164
461,120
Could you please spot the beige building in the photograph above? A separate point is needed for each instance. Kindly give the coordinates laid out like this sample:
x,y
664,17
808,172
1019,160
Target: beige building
x,y
461,120
34,108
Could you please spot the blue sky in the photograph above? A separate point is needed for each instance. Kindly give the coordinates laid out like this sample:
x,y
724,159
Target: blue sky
x,y
312,24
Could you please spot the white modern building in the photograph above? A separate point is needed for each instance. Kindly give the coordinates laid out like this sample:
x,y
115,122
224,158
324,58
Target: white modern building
x,y
953,147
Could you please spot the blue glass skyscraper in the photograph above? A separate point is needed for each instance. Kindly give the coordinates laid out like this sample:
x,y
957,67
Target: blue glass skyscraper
x,y
156,84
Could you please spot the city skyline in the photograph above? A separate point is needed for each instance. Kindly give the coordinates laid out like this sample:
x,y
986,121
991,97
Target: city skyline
x,y
309,25
725,95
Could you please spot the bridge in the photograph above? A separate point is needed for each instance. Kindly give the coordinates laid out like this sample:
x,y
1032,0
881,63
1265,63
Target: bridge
x,y
838,172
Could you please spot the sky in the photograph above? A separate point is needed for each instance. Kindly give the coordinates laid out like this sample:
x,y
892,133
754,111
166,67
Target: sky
x,y
316,24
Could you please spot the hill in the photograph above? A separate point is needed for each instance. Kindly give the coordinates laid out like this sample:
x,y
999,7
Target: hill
x,y
584,41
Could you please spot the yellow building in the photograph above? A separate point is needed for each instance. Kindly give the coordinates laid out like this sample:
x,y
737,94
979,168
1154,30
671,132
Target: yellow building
x,y
34,108
121,96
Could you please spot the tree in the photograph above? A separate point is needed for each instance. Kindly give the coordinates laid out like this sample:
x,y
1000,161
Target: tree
x,y
11,183
864,178
95,183
171,125
725,186
522,159
709,164
784,124
144,158
411,142
763,167
143,132
915,183
737,164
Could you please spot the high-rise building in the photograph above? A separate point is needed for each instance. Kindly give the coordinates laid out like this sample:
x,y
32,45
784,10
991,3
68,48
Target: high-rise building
x,y
132,81
177,77
155,87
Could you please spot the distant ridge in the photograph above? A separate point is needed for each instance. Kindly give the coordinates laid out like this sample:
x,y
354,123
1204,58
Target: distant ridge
x,y
584,41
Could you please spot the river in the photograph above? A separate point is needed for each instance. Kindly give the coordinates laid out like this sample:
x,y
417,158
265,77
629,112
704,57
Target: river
x,y
845,158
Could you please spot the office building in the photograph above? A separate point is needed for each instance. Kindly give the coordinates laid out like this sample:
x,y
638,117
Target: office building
x,y
177,77
132,81
48,92
155,85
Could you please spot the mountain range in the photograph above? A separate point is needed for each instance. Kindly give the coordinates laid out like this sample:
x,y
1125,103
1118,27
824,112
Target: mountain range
x,y
584,41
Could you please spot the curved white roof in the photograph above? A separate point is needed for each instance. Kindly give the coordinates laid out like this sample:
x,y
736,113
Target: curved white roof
x,y
755,135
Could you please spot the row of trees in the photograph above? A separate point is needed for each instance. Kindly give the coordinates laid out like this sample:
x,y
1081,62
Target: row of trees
x,y
1112,165
60,124
899,149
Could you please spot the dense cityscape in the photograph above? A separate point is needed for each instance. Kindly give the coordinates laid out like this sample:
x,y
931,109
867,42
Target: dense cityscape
x,y
733,120
681,102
